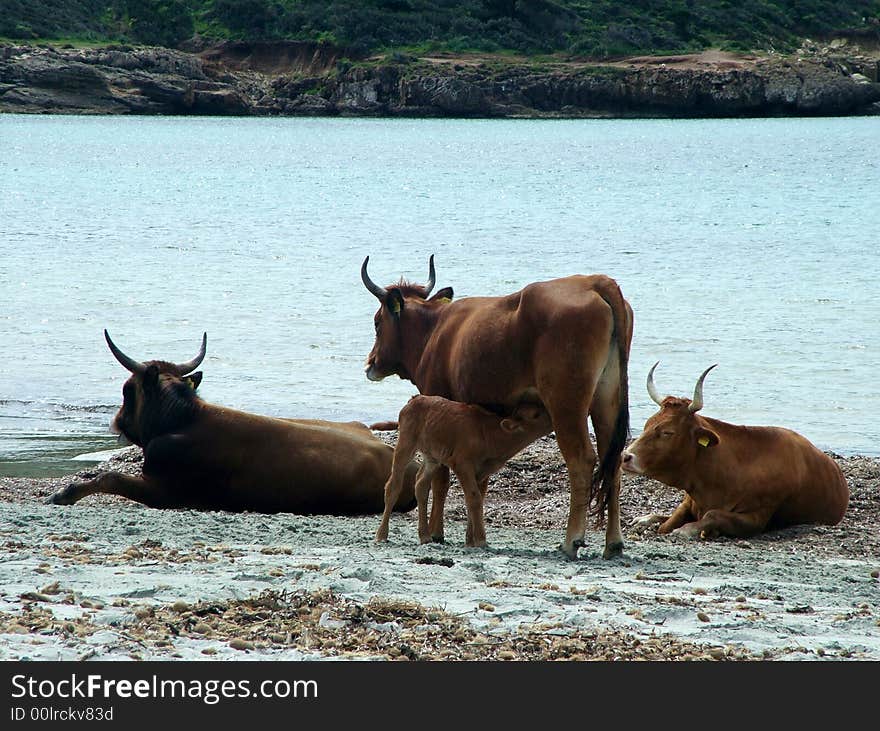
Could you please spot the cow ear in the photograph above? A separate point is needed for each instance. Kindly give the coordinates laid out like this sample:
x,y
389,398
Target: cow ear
x,y
444,295
394,301
194,379
706,437
151,377
511,425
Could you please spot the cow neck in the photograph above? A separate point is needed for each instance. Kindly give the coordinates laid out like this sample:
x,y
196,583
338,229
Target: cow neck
x,y
422,321
176,410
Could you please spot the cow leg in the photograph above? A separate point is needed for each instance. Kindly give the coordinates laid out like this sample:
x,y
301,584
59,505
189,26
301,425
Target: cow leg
x,y
138,489
423,487
473,498
684,513
439,490
403,454
580,459
716,523
604,416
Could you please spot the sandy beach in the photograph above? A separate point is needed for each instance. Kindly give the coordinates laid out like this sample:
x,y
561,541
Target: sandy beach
x,y
111,579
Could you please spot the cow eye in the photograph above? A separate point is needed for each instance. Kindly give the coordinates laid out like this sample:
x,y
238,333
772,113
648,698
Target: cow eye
x,y
667,433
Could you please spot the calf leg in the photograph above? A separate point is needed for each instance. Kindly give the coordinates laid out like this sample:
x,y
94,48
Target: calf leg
x,y
473,498
423,487
469,533
138,489
439,490
403,454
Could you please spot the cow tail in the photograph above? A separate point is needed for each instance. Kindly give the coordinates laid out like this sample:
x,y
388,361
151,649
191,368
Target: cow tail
x,y
604,477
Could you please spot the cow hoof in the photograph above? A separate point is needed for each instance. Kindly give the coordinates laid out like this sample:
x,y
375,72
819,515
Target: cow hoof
x,y
438,539
613,550
573,551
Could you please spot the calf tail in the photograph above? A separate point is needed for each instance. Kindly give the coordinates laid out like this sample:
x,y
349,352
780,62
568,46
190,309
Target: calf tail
x,y
603,483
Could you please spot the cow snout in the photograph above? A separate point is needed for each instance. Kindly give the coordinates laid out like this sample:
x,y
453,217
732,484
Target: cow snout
x,y
629,462
373,374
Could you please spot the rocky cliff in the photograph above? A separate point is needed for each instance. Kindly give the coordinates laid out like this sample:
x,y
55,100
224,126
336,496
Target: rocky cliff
x,y
292,79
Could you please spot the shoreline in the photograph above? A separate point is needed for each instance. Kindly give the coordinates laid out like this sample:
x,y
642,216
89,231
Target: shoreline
x,y
107,578
307,79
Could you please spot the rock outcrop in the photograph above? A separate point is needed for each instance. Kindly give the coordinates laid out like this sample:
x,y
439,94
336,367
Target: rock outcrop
x,y
308,79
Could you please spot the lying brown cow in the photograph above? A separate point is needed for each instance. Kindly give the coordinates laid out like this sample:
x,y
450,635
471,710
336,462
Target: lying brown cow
x,y
471,441
738,480
197,455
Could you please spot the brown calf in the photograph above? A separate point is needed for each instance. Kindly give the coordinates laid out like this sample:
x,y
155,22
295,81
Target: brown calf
x,y
738,480
471,441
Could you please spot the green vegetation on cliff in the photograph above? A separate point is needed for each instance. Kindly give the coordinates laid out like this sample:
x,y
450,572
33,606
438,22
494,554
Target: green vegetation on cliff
x,y
597,28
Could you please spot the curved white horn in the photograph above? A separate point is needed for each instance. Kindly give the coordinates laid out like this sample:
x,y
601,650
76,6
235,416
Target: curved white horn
x,y
697,402
652,389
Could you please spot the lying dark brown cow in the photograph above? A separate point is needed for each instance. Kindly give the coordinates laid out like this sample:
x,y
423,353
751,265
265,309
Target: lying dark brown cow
x,y
564,343
471,441
738,480
197,455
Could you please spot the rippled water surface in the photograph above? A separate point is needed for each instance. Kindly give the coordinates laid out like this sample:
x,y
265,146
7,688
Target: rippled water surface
x,y
750,243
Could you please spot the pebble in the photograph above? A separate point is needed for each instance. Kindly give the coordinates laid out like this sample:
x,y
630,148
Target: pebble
x,y
180,606
702,616
716,652
875,574
238,643
201,628
486,607
209,651
52,589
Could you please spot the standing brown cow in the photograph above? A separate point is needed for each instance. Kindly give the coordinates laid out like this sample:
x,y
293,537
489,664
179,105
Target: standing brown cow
x,y
471,441
197,455
738,480
564,343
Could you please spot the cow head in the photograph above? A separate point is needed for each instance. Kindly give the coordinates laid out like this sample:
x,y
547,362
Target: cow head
x,y
673,438
403,322
528,419
158,396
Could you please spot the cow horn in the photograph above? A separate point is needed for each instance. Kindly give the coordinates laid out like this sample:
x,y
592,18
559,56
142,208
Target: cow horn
x,y
432,277
697,402
652,389
374,288
130,364
186,368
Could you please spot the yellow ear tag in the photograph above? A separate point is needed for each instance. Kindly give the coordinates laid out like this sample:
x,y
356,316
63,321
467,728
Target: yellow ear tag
x,y
444,300
191,383
395,306
703,441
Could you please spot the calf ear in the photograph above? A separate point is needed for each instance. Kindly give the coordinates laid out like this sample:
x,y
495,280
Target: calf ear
x,y
394,301
511,425
194,379
443,294
706,437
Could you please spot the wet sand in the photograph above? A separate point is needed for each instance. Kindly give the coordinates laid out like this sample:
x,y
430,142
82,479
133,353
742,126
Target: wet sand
x,y
108,579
